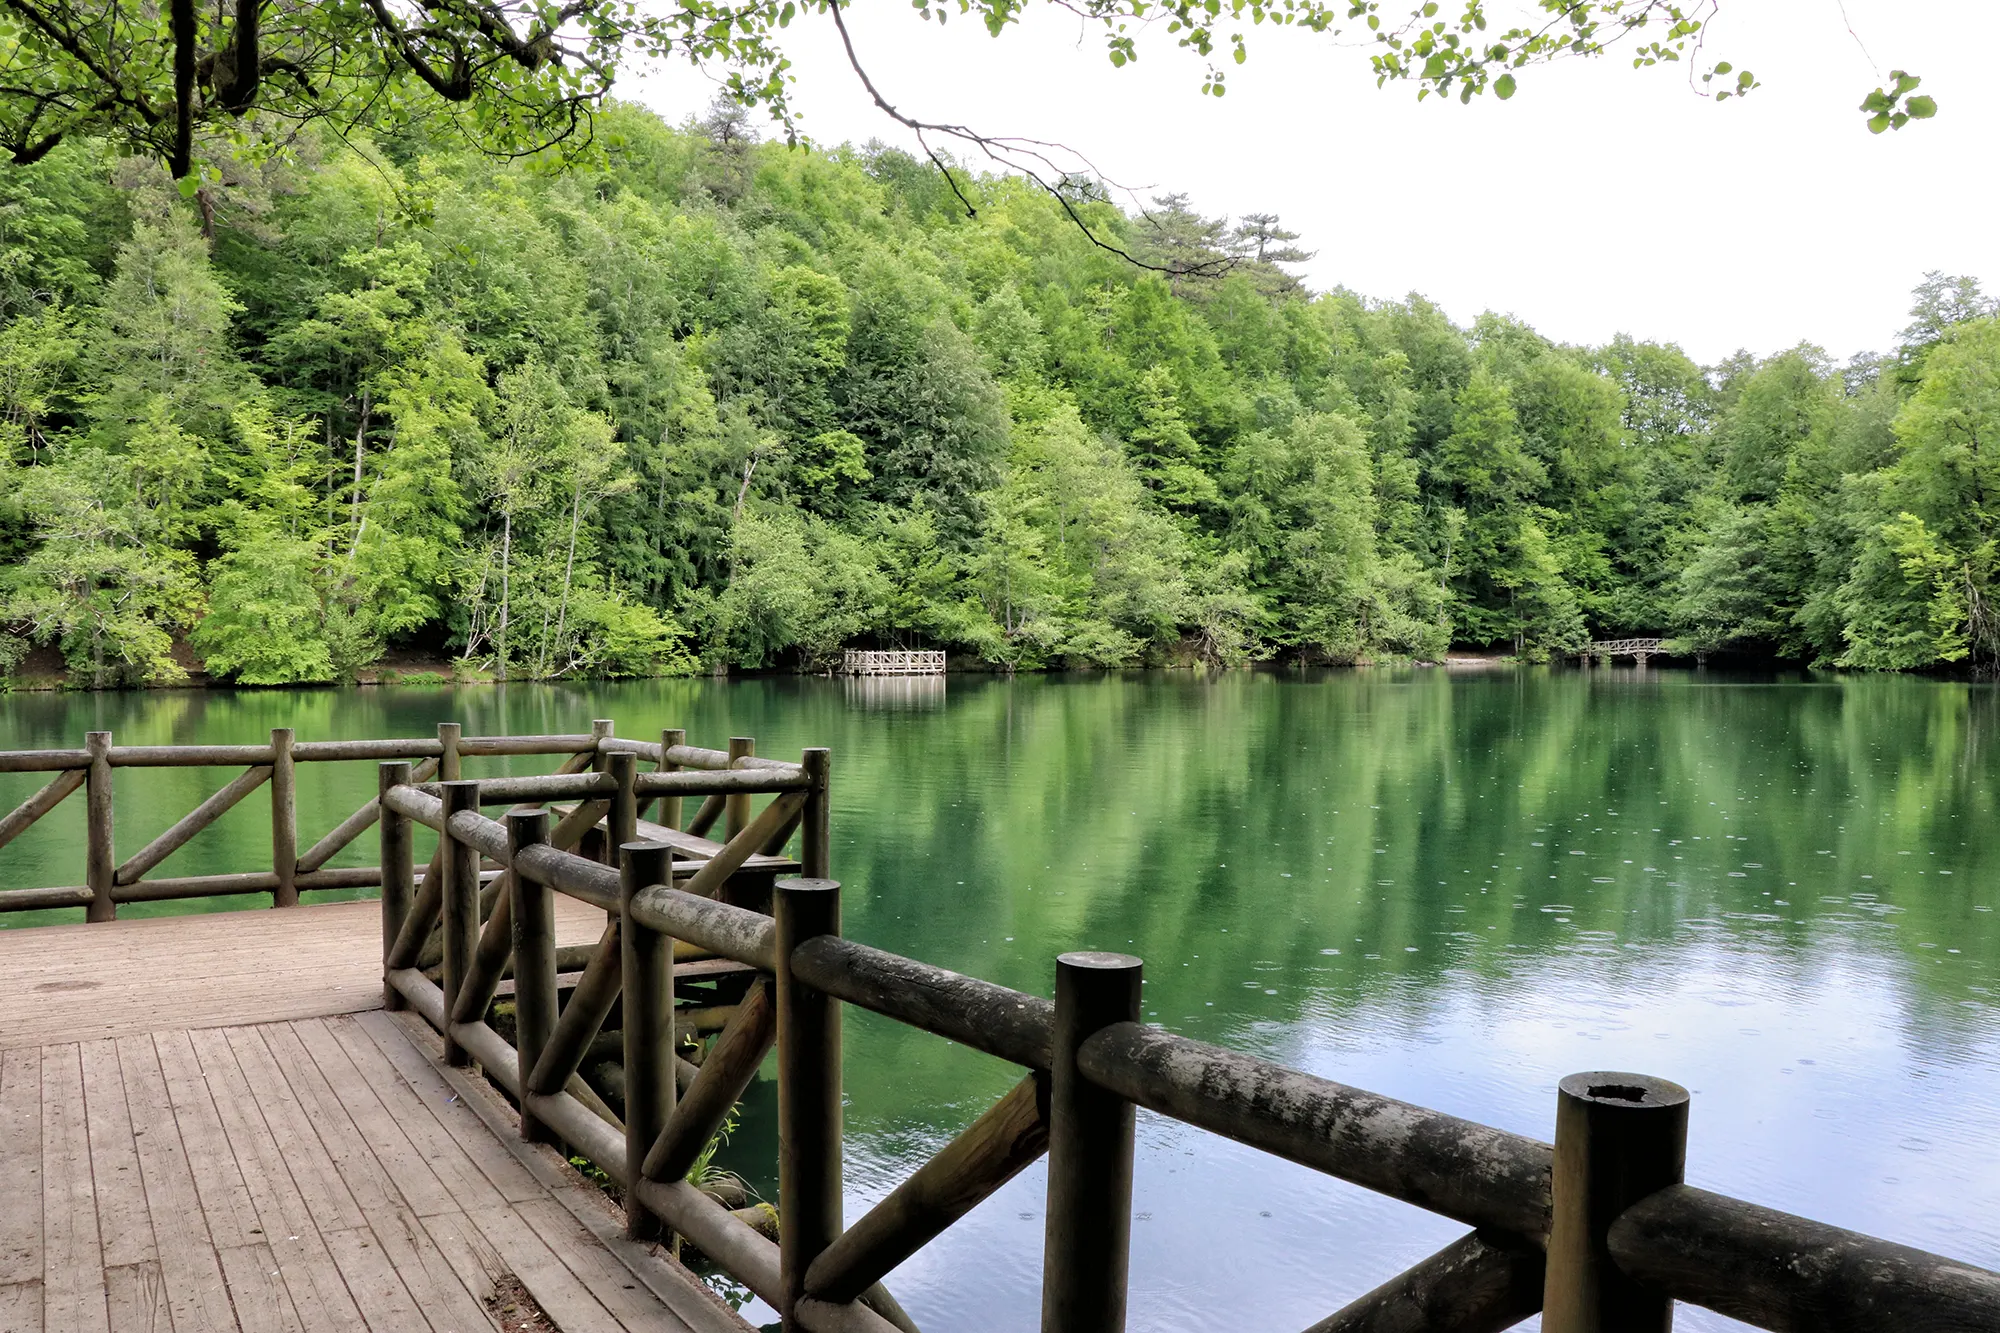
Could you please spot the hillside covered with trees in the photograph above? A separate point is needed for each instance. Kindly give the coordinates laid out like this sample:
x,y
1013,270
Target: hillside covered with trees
x,y
697,401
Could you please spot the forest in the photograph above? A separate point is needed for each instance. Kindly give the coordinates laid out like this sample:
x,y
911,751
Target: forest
x,y
695,402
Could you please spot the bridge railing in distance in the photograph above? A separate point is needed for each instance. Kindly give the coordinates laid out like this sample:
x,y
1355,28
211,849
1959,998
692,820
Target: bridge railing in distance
x,y
109,881
895,662
1596,1231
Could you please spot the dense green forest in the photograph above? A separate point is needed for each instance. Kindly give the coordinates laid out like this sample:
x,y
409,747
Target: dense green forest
x,y
697,401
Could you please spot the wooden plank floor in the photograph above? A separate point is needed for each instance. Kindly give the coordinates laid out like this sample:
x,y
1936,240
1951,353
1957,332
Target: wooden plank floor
x,y
215,969
322,1173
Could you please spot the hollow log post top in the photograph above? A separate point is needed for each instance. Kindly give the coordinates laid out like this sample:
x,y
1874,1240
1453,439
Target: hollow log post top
x,y
1597,1231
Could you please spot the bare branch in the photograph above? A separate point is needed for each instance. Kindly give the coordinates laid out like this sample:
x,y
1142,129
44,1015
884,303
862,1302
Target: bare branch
x,y
1027,157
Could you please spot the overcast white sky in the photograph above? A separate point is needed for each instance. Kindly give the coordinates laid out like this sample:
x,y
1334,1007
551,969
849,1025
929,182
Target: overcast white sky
x,y
1600,199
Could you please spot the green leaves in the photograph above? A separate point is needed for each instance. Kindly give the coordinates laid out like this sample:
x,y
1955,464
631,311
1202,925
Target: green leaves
x,y
1503,87
1893,107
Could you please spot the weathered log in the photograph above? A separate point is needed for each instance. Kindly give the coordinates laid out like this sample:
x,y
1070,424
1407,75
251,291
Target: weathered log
x,y
486,836
1619,1138
419,805
1008,1023
816,847
451,767
589,1003
741,1252
423,913
744,844
736,806
100,861
563,1117
42,761
809,1112
670,805
43,801
260,881
459,905
189,824
595,884
732,932
482,1043
535,787
621,820
40,900
491,960
990,1152
1474,1173
398,870
500,745
421,994
357,823
647,967
725,1072
1088,1238
1480,1283
310,752
753,781
706,814
569,830
284,819
1794,1275
534,961
189,756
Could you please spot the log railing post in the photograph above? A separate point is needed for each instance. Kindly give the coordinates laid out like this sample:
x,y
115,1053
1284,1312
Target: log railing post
x,y
809,1115
459,867
670,806
1619,1138
601,730
284,819
622,821
1089,1233
647,966
736,807
815,829
450,765
100,861
534,960
398,868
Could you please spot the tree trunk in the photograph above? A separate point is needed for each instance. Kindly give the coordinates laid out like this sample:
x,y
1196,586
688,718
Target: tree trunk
x,y
360,435
506,554
569,567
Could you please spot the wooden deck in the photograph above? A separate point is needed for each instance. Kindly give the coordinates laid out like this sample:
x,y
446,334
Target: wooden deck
x,y
224,1138
117,978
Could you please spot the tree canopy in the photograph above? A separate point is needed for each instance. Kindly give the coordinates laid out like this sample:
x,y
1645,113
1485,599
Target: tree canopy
x,y
707,402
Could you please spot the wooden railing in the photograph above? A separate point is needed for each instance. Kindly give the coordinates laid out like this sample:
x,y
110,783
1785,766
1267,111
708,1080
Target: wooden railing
x,y
873,662
1597,1231
109,881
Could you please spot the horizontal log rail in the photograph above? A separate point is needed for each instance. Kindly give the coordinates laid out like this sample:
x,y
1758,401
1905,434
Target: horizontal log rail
x,y
1593,1231
110,881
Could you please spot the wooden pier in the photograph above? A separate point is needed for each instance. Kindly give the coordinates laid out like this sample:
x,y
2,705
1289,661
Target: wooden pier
x,y
877,662
394,1170
203,1126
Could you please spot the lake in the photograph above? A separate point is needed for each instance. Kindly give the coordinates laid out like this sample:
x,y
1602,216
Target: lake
x,y
1451,888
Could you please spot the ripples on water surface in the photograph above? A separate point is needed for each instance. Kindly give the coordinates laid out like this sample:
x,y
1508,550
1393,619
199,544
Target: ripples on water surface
x,y
1450,889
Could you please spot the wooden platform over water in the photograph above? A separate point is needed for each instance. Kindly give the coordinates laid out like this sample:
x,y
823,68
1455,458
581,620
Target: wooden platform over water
x,y
115,978
222,1138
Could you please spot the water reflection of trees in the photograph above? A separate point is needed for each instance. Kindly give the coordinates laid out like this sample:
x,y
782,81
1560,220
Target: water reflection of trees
x,y
1230,828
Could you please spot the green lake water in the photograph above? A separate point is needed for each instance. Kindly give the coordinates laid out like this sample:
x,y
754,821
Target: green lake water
x,y
1452,888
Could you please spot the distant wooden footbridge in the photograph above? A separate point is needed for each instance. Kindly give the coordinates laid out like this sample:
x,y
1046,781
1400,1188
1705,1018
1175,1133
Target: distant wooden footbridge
x,y
203,1130
1603,651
